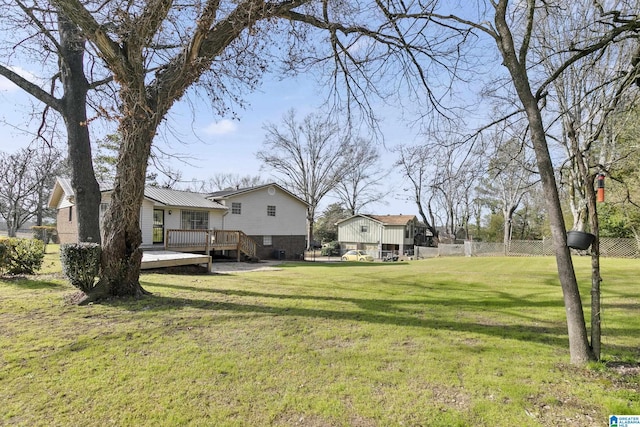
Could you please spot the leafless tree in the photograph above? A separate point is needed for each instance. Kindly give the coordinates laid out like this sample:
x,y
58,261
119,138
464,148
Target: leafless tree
x,y
52,38
583,97
228,181
311,157
364,180
455,172
226,46
513,26
416,166
25,183
510,175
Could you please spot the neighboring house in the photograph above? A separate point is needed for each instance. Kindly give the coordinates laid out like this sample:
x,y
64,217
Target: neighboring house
x,y
188,221
379,234
271,215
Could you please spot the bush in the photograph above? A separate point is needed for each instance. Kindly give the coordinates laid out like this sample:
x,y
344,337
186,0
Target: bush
x,y
21,256
4,253
331,249
81,264
43,232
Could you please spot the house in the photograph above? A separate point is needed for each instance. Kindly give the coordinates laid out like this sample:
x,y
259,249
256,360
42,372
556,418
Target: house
x,y
271,215
379,234
188,221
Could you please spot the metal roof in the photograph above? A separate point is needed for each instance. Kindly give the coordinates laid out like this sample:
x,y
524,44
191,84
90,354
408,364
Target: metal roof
x,y
169,197
162,196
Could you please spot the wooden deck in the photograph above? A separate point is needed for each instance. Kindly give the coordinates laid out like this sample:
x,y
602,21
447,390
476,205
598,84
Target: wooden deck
x,y
209,240
160,259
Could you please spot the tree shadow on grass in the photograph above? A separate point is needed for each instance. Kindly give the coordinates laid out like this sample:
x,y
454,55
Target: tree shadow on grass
x,y
379,316
340,264
25,282
498,299
377,311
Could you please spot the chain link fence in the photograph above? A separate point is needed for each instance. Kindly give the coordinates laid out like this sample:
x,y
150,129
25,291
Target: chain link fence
x,y
609,247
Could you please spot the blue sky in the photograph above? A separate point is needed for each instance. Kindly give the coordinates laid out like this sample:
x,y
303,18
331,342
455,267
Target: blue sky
x,y
214,144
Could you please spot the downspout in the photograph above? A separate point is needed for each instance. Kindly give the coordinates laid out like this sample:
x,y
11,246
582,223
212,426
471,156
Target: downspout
x,y
380,247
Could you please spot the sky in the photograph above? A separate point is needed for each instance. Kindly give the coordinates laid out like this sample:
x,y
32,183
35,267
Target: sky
x,y
211,144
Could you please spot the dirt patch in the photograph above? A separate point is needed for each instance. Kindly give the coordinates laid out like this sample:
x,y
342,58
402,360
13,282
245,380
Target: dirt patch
x,y
75,298
625,369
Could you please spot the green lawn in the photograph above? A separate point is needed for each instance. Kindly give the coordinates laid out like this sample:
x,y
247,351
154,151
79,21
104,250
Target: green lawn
x,y
440,342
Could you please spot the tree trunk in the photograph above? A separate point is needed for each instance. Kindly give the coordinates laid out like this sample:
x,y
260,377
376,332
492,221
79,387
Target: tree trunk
x,y
578,342
11,224
580,351
585,180
311,213
83,180
121,253
596,278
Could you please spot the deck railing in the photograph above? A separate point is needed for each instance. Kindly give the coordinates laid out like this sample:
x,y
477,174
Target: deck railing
x,y
206,240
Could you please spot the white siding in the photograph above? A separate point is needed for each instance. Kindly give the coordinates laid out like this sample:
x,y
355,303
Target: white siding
x,y
146,222
172,221
290,216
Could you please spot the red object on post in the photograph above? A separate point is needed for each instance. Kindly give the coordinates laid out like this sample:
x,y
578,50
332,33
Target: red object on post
x,y
600,188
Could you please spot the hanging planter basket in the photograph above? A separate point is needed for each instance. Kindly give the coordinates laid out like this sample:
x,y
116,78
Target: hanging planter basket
x,y
579,239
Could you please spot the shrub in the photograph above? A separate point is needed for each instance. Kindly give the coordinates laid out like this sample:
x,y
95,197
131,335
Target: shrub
x,y
21,256
43,232
81,264
4,251
331,249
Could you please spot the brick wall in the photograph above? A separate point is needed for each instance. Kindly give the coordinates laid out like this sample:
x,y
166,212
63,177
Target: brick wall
x,y
67,230
293,247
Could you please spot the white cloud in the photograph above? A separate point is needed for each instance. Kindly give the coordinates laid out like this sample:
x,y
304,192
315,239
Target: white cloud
x,y
7,85
223,127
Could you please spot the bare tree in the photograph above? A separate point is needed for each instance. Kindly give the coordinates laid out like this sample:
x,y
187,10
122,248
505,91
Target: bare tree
x,y
227,181
227,46
49,29
415,162
512,27
509,178
453,178
25,182
363,182
310,157
583,97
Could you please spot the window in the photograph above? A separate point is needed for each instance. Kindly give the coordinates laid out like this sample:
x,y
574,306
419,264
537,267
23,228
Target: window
x,y
364,228
267,241
236,208
271,210
195,220
70,213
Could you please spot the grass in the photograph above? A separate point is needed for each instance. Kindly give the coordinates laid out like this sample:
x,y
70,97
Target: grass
x,y
452,341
